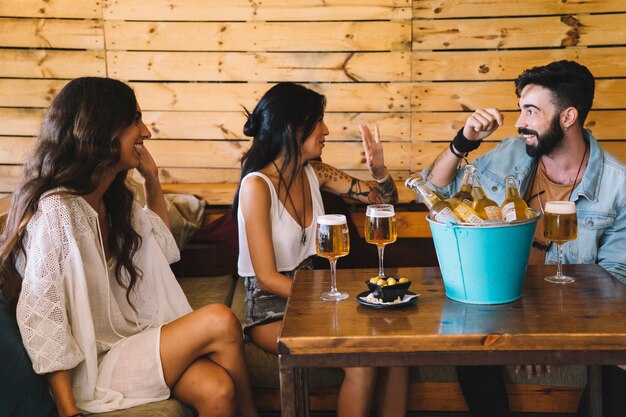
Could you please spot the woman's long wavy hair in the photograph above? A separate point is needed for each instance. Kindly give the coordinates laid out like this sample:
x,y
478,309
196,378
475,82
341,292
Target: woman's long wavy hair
x,y
284,117
76,147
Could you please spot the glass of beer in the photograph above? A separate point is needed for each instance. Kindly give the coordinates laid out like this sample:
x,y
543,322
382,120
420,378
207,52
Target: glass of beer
x,y
333,241
380,229
560,225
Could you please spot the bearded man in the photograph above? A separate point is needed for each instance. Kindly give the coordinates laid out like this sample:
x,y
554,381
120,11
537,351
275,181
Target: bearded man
x,y
553,159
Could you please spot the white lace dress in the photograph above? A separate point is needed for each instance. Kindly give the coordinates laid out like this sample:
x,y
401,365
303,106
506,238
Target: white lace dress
x,y
73,315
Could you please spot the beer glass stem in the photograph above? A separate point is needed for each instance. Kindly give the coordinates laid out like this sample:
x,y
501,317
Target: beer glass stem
x,y
333,275
381,254
559,272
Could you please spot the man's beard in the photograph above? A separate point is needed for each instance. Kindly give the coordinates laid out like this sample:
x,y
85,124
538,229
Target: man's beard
x,y
547,142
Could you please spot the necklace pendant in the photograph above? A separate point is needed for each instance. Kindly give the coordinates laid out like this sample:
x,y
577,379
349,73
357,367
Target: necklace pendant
x,y
303,237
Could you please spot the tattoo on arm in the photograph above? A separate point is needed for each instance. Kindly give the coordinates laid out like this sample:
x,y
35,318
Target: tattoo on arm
x,y
435,162
328,173
356,192
372,192
365,192
388,191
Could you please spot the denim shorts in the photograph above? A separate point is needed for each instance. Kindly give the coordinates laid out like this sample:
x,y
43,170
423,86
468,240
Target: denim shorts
x,y
263,307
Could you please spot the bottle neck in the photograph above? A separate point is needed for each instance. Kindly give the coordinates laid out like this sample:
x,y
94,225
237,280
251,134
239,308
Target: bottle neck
x,y
429,198
511,192
479,193
510,187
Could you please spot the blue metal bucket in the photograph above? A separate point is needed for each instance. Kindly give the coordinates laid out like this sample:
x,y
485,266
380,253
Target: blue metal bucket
x,y
483,264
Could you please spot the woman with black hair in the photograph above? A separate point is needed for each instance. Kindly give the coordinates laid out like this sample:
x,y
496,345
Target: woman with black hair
x,y
86,271
277,205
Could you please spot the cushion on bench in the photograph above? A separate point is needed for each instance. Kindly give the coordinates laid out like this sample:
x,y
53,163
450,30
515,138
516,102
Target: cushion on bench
x,y
201,291
22,392
165,408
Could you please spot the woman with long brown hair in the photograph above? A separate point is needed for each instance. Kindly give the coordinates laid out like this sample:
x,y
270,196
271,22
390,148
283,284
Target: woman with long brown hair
x,y
277,205
87,270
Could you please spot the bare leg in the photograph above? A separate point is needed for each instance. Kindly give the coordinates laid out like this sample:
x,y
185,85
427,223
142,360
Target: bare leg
x,y
356,392
213,331
392,389
265,336
208,388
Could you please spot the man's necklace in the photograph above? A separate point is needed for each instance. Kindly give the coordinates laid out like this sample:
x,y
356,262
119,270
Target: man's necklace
x,y
580,167
534,174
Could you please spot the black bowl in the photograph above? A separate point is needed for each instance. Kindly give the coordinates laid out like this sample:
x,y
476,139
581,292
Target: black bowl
x,y
388,293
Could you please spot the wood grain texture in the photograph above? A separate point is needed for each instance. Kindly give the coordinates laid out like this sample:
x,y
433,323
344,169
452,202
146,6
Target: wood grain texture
x,y
227,154
340,97
83,9
234,10
522,32
207,96
241,66
43,63
259,36
51,33
439,9
502,65
14,150
468,96
221,125
437,324
9,177
16,92
194,64
229,125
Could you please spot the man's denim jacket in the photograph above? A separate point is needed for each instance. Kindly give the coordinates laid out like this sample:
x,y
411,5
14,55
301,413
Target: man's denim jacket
x,y
600,201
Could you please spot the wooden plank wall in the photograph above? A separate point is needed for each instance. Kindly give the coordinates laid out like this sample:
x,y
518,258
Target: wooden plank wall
x,y
415,67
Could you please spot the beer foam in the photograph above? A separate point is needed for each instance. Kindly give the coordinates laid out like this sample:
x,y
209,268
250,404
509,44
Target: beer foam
x,y
379,213
560,207
331,219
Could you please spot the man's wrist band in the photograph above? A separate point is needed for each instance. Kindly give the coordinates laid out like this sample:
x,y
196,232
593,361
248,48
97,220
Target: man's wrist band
x,y
383,179
76,415
455,153
463,145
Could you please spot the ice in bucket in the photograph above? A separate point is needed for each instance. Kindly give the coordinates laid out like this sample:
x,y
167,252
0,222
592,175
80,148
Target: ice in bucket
x,y
483,264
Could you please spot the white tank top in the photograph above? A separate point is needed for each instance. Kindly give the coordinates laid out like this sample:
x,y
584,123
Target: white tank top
x,y
286,232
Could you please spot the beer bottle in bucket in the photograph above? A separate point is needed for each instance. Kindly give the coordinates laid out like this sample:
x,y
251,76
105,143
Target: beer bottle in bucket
x,y
465,192
513,207
483,205
440,210
464,211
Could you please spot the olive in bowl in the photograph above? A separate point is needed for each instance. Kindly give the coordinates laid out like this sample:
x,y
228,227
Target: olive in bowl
x,y
388,289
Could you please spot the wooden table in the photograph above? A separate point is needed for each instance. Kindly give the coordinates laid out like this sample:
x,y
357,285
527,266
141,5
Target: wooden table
x,y
583,323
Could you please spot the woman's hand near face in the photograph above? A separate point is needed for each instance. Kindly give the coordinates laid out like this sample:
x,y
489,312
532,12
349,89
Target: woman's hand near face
x,y
373,148
147,167
152,186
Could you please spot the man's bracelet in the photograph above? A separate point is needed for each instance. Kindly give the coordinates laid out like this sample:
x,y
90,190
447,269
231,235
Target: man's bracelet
x,y
463,145
455,153
383,179
76,415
